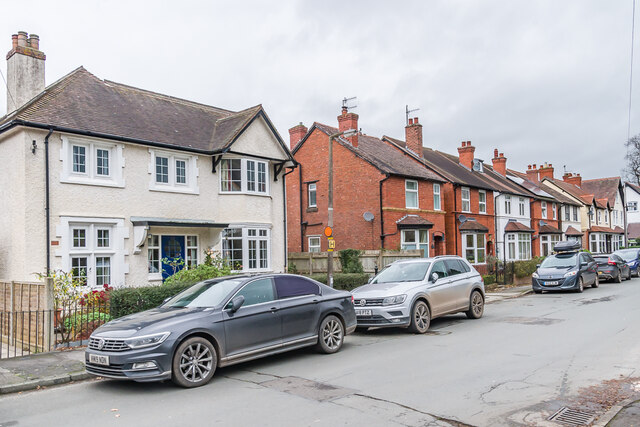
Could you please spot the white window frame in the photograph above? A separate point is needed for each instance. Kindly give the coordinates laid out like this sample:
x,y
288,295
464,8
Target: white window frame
x,y
549,241
246,238
633,206
173,186
90,176
465,200
437,200
153,246
244,181
314,244
417,243
567,212
507,205
411,191
543,209
576,215
482,206
475,248
554,210
196,248
522,206
312,188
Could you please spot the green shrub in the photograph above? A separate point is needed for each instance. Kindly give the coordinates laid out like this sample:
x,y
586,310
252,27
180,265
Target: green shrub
x,y
526,268
345,281
350,260
198,274
489,279
125,301
78,322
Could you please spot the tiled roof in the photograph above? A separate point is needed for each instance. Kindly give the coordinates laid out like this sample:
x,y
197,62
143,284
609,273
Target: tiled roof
x,y
601,203
600,229
413,221
515,226
549,229
539,189
603,188
573,190
82,102
383,156
635,187
572,232
472,225
633,229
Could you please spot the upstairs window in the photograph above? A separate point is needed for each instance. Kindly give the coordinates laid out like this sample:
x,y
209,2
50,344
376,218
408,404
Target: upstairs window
x,y
243,176
521,207
575,214
79,159
466,199
411,194
482,201
173,172
632,206
436,197
543,209
507,205
567,213
91,162
554,210
102,157
312,195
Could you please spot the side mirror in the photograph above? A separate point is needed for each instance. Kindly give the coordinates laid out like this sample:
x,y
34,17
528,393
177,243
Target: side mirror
x,y
434,277
370,279
584,264
538,266
236,303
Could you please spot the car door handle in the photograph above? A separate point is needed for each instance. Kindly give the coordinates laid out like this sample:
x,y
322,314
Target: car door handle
x,y
274,309
316,300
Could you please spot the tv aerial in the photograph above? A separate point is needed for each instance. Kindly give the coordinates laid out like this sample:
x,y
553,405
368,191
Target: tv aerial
x,y
346,101
407,112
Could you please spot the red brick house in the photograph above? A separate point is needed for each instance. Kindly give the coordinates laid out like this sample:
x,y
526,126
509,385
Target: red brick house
x,y
383,196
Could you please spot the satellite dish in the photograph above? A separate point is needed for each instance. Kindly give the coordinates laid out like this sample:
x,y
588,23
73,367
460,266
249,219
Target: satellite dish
x,y
542,223
368,216
462,219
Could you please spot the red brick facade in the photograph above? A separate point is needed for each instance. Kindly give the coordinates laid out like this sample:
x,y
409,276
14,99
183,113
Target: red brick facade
x,y
536,217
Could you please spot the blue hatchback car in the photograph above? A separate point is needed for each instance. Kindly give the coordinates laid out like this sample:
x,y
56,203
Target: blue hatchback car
x,y
632,258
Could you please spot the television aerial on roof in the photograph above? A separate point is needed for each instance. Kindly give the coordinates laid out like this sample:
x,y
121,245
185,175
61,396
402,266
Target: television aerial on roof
x,y
346,100
407,112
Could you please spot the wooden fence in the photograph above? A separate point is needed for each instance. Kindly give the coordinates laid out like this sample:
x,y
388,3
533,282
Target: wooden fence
x,y
316,262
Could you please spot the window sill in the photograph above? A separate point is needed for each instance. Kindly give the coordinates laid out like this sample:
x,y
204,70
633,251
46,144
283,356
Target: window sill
x,y
170,189
314,209
98,182
243,193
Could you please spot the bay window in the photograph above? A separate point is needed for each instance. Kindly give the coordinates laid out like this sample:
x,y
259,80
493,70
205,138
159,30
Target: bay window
x,y
247,249
415,239
473,247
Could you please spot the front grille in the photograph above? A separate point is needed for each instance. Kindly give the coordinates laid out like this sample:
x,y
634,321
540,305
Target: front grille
x,y
109,344
111,370
368,302
375,319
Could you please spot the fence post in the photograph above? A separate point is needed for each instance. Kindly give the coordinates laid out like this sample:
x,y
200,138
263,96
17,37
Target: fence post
x,y
11,307
310,263
380,259
47,332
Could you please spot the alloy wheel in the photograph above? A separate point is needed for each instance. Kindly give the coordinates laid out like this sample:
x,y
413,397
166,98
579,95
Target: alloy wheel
x,y
477,304
196,362
332,334
421,316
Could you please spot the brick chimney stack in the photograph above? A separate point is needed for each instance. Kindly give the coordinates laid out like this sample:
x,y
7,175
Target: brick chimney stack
x,y
466,154
296,134
25,70
546,171
532,173
413,136
572,178
347,121
499,163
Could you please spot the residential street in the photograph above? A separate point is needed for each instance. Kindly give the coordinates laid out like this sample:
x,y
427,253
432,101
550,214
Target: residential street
x,y
520,363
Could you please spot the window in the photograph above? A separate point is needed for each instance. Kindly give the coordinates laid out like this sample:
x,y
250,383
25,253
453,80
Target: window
x,y
466,199
243,176
247,248
415,239
454,267
543,210
103,238
473,246
606,217
314,244
507,205
411,194
181,172
153,253
79,237
521,207
567,213
511,246
482,201
103,271
312,195
436,197
86,161
632,206
524,246
575,213
191,251
289,287
440,269
554,210
599,216
173,172
79,269
257,292
162,170
548,242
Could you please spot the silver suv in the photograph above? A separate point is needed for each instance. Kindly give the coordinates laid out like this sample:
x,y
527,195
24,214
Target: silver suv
x,y
410,293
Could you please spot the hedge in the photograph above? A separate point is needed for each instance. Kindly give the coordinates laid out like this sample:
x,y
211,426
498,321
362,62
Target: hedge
x,y
345,281
489,279
125,301
526,268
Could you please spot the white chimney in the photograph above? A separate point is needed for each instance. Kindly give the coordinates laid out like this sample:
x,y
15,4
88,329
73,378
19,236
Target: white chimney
x,y
25,70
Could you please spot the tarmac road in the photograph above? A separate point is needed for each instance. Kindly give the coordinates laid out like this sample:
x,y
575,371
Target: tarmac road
x,y
520,363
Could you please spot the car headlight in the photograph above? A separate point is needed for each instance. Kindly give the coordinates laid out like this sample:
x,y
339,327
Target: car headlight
x,y
147,340
398,299
535,275
570,273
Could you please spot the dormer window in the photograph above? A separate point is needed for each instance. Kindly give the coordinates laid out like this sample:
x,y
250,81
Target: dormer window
x,y
477,165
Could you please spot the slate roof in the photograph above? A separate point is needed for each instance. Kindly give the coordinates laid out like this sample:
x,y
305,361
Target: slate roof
x,y
541,190
635,187
571,231
574,190
601,203
82,102
515,226
603,188
549,229
473,225
633,229
378,153
413,221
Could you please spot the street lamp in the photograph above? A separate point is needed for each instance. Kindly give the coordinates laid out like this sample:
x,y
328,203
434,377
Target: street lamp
x,y
346,134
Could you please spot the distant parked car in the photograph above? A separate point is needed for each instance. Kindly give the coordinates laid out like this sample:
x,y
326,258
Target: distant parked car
x,y
411,293
612,267
632,258
567,269
221,322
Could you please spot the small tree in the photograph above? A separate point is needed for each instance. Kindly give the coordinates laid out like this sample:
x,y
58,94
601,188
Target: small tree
x,y
632,169
350,260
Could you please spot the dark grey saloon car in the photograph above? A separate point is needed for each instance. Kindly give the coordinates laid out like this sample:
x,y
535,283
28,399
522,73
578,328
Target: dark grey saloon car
x,y
221,322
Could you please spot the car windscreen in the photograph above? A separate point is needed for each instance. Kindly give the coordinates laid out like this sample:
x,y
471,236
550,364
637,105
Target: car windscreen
x,y
403,272
627,255
560,261
601,260
203,294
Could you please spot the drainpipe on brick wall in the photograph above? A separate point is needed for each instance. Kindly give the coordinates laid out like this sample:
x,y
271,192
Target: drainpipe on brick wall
x,y
455,220
46,199
284,220
382,235
300,202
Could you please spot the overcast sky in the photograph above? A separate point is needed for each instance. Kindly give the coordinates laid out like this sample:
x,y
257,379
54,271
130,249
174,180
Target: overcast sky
x,y
539,80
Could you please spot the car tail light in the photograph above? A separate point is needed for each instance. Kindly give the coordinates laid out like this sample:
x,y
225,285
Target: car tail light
x,y
611,262
352,299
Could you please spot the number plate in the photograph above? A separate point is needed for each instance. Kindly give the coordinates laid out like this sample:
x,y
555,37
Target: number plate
x,y
553,283
99,360
363,313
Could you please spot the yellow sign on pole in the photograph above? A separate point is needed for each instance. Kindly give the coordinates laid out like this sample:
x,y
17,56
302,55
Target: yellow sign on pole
x,y
332,244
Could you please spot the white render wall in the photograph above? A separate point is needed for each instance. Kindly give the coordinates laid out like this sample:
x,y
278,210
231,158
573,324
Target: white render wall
x,y
632,196
23,228
502,219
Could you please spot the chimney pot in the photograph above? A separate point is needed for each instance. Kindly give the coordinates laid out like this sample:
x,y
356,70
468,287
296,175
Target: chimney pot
x,y
413,137
410,121
501,154
22,38
534,166
25,70
34,41
14,41
528,167
415,120
495,153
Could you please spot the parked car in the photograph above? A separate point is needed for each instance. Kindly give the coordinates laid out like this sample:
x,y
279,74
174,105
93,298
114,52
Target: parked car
x,y
632,258
411,293
612,267
567,269
221,322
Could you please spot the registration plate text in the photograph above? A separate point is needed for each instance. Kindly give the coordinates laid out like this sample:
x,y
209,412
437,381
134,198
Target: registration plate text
x,y
99,360
551,283
363,313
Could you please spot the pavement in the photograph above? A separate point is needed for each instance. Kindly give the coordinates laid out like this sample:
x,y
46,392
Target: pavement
x,y
50,369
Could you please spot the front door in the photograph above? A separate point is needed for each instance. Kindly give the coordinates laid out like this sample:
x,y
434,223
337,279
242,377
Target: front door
x,y
172,255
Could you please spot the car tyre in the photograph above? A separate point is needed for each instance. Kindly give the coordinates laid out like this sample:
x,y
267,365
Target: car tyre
x,y
194,363
362,329
476,306
420,318
618,278
596,282
580,285
629,275
331,335
537,291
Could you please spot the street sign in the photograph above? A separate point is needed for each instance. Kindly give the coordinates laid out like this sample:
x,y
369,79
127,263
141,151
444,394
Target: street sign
x,y
328,231
332,244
